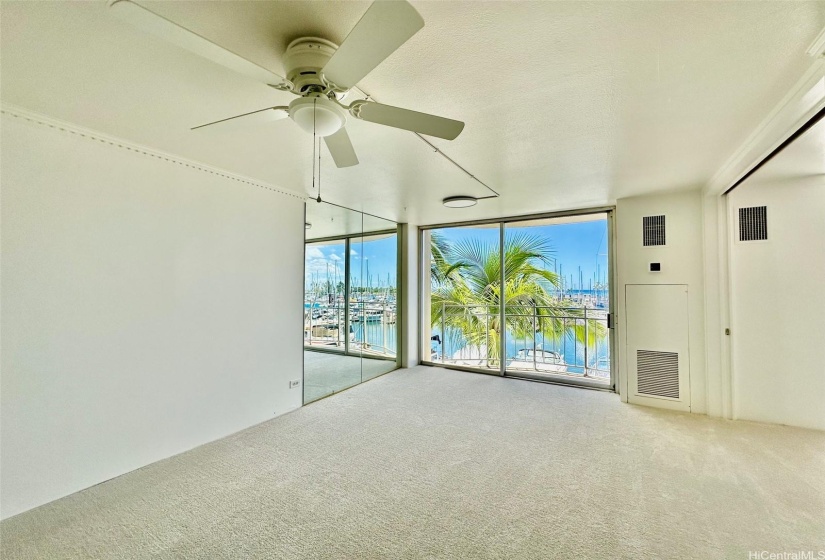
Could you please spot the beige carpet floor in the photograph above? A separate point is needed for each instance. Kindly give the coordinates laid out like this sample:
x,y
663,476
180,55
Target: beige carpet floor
x,y
430,463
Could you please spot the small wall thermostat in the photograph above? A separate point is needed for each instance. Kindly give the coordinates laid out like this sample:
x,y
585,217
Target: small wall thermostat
x,y
655,267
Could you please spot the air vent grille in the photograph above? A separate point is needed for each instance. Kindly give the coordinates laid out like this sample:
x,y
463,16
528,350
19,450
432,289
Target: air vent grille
x,y
653,230
657,373
753,223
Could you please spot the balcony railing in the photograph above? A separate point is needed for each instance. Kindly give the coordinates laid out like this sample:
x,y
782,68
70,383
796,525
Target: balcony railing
x,y
571,341
326,327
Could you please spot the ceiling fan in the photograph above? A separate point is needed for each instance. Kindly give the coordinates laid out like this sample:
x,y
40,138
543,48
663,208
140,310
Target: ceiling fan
x,y
319,72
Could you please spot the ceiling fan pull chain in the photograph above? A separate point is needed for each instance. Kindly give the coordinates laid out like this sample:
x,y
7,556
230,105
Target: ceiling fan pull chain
x,y
313,155
319,170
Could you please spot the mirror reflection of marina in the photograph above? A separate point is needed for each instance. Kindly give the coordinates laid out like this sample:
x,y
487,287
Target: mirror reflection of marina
x,y
350,294
371,324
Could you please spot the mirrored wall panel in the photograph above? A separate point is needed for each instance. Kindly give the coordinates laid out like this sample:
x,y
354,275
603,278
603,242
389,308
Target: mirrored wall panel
x,y
350,299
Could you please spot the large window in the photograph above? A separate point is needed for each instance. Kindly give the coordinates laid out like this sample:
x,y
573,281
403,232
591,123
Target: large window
x,y
542,314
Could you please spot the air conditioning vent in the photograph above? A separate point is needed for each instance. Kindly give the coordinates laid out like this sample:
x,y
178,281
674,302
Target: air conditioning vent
x,y
753,223
657,373
653,230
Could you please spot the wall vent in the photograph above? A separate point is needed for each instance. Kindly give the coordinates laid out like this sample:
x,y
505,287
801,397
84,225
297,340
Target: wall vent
x,y
657,373
653,230
753,223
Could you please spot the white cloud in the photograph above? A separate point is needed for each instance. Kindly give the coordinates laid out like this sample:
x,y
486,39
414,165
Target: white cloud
x,y
314,253
320,266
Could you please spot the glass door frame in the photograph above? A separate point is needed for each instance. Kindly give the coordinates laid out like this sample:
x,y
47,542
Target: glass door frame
x,y
424,307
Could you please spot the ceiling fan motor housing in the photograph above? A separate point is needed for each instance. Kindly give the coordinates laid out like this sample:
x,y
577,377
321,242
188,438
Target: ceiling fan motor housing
x,y
303,60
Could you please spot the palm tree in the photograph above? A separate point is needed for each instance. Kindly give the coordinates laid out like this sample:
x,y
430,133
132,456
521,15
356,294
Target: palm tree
x,y
441,271
466,294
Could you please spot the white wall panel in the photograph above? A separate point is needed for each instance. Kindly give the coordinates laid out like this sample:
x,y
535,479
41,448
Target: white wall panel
x,y
147,308
681,260
778,304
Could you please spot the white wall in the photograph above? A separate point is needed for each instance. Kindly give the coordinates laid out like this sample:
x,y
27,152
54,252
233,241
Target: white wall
x,y
717,306
682,263
410,352
778,305
147,308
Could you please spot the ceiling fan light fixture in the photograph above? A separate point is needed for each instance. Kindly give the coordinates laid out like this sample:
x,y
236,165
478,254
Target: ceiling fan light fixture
x,y
328,117
460,201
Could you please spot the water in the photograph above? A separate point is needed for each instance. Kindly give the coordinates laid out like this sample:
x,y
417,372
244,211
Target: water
x,y
378,335
569,347
572,350
383,335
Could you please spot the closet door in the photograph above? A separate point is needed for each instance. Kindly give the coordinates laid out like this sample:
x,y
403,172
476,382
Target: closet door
x,y
657,345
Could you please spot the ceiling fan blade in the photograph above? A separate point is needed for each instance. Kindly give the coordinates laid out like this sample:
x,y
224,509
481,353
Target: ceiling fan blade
x,y
157,25
384,27
422,123
340,147
270,114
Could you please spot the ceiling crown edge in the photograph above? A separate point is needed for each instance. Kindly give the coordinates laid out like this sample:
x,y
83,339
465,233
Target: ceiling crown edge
x,y
93,135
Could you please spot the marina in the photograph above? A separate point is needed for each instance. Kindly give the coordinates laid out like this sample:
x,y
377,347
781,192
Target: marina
x,y
368,328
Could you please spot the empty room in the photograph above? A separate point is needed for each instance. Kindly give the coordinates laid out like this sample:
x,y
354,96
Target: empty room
x,y
456,279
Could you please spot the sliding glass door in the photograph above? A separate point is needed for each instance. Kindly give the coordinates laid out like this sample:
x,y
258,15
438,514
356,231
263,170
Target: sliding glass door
x,y
542,315
462,297
557,298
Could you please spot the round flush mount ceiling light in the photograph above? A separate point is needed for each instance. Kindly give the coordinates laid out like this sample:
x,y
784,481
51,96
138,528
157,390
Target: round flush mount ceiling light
x,y
460,201
328,117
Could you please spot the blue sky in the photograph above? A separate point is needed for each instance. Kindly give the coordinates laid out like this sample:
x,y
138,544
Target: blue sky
x,y
582,244
379,256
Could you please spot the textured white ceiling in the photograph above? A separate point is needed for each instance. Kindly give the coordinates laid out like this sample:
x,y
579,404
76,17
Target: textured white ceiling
x,y
567,104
